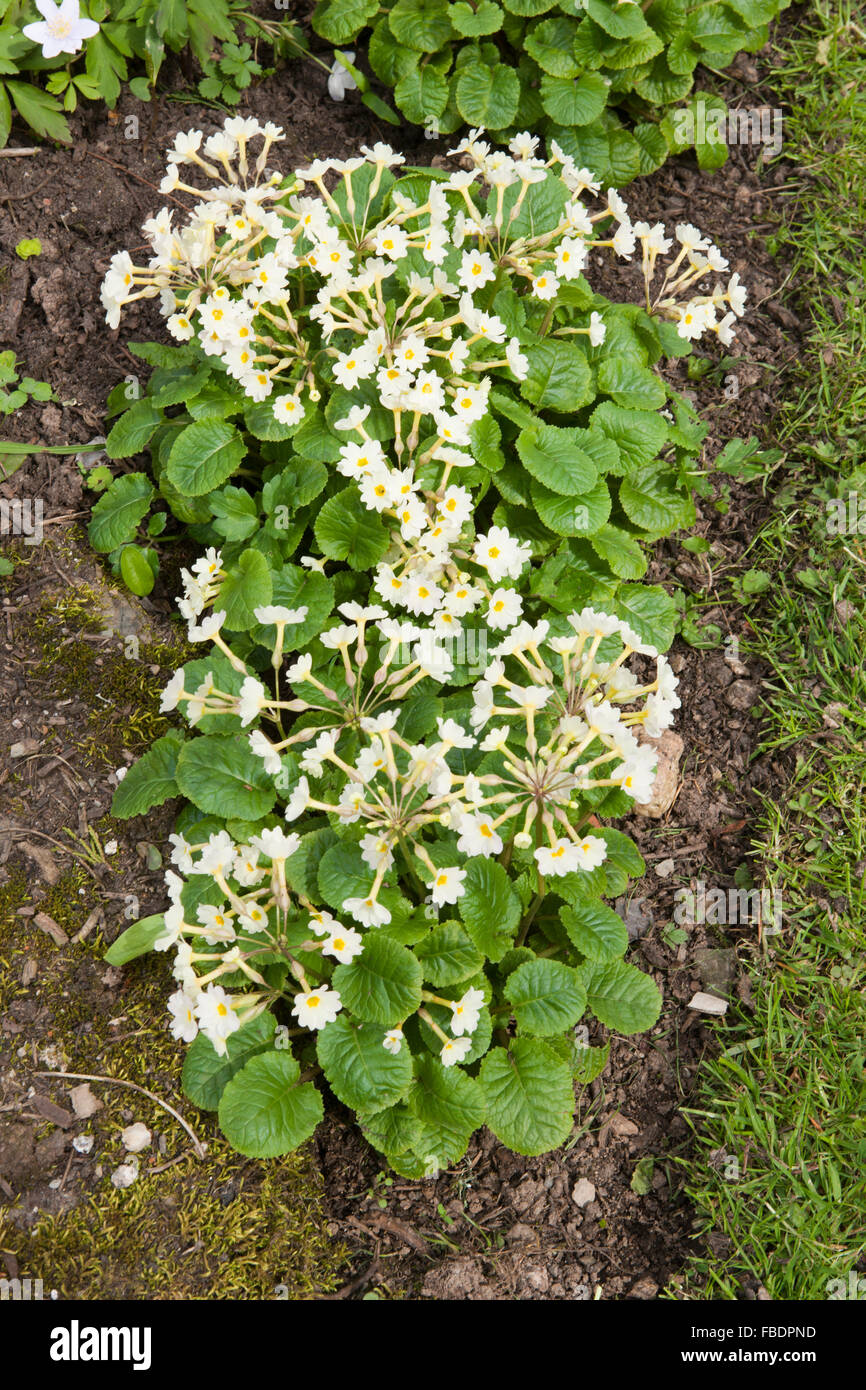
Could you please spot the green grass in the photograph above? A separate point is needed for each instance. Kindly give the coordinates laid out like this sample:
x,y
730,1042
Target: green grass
x,y
779,1118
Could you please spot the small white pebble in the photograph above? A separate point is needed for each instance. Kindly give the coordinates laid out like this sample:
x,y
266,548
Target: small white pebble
x,y
125,1174
136,1137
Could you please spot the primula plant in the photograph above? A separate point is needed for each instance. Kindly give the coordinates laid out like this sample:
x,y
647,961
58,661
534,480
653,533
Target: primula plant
x,y
568,71
421,455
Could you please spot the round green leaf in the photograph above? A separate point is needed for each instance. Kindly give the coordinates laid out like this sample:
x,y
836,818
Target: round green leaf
x,y
421,24
383,984
546,996
204,456
554,456
247,586
570,102
530,1097
263,1112
580,515
360,1071
621,996
597,931
447,955
559,377
119,511
473,23
346,530
488,96
206,1074
223,777
421,94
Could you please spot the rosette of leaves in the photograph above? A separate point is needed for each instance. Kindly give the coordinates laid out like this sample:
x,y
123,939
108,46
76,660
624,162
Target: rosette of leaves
x,y
546,964
595,75
589,458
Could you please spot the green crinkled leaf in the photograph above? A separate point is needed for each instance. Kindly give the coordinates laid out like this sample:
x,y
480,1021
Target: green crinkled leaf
x,y
360,1071
151,781
488,96
448,955
651,499
621,996
136,941
248,585
132,430
473,23
119,512
550,44
490,908
554,456
620,551
204,456
421,24
650,611
383,984
546,997
421,94
223,777
263,1112
597,931
339,21
638,434
346,530
445,1098
579,515
559,377
206,1074
574,102
529,1095
632,386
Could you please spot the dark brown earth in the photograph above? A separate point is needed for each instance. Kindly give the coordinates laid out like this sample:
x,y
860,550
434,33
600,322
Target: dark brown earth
x,y
498,1226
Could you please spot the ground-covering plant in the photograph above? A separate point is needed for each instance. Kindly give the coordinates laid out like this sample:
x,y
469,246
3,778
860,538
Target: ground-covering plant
x,y
566,70
432,673
87,49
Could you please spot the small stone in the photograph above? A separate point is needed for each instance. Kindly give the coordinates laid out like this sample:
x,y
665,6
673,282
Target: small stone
x,y
644,1288
24,748
584,1192
82,1143
708,1004
622,1127
669,750
84,1102
665,868
136,1137
51,928
742,695
717,969
125,1174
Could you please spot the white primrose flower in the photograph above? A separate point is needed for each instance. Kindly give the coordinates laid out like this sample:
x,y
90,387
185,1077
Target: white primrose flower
x,y
448,886
393,1040
216,1016
344,944
466,1012
317,1007
184,1024
455,1050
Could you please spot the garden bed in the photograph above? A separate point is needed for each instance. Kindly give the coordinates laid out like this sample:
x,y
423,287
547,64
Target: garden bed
x,y
498,1225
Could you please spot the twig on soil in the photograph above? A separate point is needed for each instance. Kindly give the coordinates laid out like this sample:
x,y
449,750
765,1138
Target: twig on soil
x,y
369,1274
200,1149
123,169
21,150
18,197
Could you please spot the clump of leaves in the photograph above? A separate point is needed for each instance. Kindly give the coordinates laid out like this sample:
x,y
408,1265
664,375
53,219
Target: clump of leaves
x,y
569,71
